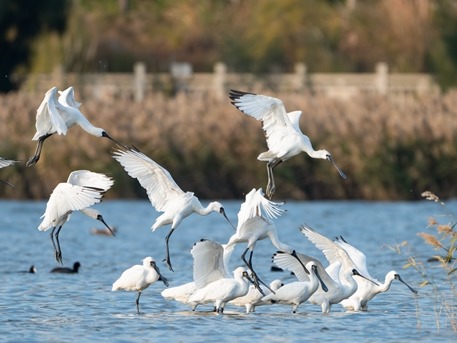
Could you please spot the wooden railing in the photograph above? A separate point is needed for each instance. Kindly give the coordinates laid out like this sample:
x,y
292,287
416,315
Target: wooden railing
x,y
137,84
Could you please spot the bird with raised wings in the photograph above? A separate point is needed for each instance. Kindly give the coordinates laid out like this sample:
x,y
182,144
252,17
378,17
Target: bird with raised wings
x,y
282,130
163,192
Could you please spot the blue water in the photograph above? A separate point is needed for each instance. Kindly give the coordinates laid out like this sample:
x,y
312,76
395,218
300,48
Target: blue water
x,y
46,307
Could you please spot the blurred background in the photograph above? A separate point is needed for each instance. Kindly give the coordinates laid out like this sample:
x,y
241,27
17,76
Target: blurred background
x,y
375,81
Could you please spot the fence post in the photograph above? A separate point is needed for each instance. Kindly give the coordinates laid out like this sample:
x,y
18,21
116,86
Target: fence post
x,y
300,76
139,81
219,80
382,78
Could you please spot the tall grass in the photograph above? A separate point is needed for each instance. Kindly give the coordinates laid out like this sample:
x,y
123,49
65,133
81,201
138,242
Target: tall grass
x,y
390,147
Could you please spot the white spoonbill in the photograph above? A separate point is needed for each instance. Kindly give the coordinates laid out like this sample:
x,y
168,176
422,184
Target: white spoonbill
x,y
282,130
339,276
82,190
254,298
223,290
366,290
163,192
255,224
57,116
138,278
6,163
208,266
296,293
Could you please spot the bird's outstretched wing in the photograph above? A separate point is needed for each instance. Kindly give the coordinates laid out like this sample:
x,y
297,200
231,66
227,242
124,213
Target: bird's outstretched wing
x,y
332,251
48,117
269,110
67,198
90,179
256,205
159,185
67,97
5,163
208,262
358,257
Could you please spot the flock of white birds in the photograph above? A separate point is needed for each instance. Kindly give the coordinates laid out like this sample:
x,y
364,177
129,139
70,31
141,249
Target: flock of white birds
x,y
345,280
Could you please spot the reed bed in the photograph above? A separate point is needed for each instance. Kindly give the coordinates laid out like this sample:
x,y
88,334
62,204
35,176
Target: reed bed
x,y
391,147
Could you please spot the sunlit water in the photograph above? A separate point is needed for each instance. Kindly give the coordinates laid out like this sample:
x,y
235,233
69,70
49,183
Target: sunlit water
x,y
46,307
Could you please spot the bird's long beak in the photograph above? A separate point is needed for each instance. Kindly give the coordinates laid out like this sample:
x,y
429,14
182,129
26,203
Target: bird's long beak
x,y
334,164
9,184
161,277
223,213
355,272
294,254
246,275
105,134
398,277
324,287
99,217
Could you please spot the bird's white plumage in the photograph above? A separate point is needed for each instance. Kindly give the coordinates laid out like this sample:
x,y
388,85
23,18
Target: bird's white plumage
x,y
137,277
223,290
162,190
48,118
82,190
67,98
254,298
208,263
6,163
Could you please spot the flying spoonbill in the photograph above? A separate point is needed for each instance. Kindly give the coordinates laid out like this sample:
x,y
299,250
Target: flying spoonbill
x,y
366,290
5,163
255,224
282,130
82,190
298,292
163,192
57,116
138,278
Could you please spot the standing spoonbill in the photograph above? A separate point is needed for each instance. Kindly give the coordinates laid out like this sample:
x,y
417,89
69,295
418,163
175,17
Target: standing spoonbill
x,y
223,290
163,192
57,116
208,266
254,298
340,273
255,224
6,163
82,190
366,290
282,130
298,292
138,278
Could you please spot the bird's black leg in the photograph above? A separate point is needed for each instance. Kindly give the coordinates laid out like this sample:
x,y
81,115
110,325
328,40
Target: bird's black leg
x,y
58,251
34,159
138,302
256,279
271,187
53,243
167,257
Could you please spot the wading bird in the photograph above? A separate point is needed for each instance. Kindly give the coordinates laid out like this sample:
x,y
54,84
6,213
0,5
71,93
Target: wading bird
x,y
255,224
6,163
223,290
254,298
366,290
296,293
57,116
138,278
282,130
82,190
66,270
163,192
338,276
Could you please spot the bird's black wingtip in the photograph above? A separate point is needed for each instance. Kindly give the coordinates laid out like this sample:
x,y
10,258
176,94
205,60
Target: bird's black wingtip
x,y
235,94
